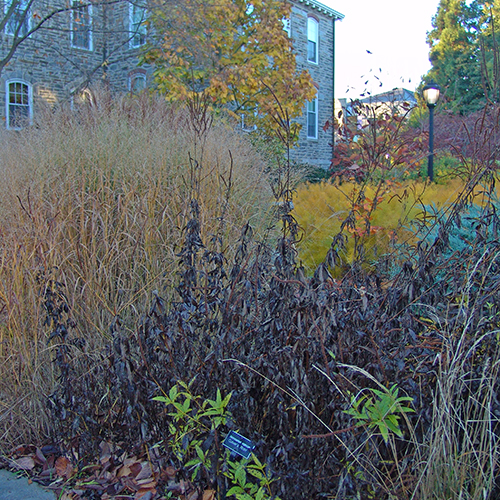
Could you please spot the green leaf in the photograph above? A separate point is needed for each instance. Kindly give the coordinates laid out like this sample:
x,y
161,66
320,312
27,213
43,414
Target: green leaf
x,y
173,393
226,400
260,494
186,407
257,473
191,463
384,431
240,476
256,461
162,399
235,490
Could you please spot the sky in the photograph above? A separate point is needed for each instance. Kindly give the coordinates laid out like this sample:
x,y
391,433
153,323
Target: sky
x,y
393,31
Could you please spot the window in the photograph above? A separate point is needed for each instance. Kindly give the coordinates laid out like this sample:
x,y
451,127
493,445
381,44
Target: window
x,y
137,16
19,21
19,104
247,125
81,26
137,81
287,26
312,40
312,119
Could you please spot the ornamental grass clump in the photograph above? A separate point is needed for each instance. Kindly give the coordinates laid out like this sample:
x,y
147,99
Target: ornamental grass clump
x,y
92,203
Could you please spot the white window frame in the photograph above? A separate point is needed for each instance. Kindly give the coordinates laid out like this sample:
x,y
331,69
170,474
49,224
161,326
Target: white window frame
x,y
8,104
12,24
312,118
137,29
287,26
313,38
78,6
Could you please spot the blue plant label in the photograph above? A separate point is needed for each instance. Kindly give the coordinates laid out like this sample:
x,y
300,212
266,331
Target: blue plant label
x,y
238,444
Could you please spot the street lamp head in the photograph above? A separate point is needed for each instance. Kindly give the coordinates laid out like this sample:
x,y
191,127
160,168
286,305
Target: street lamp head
x,y
431,94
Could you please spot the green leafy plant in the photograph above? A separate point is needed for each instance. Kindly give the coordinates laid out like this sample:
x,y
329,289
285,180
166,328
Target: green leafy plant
x,y
192,418
380,411
244,489
195,442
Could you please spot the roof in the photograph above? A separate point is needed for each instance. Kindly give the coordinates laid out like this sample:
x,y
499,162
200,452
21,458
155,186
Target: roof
x,y
322,8
394,95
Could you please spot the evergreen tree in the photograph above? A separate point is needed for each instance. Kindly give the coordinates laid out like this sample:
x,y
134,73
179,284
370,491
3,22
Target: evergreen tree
x,y
463,53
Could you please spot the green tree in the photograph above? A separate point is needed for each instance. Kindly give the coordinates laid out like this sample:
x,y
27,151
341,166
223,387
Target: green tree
x,y
464,52
455,53
232,54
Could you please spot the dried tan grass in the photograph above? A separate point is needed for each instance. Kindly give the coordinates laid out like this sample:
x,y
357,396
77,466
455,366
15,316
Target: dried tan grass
x,y
96,199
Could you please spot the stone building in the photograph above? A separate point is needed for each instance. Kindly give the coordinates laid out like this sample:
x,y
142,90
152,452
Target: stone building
x,y
89,42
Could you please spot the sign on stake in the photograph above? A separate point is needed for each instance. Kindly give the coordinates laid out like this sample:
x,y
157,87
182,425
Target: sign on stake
x,y
236,443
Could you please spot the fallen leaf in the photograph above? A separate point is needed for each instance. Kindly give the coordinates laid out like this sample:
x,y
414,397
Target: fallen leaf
x,y
136,468
23,463
145,494
168,473
64,468
145,472
148,483
123,471
194,495
66,496
40,457
208,495
106,449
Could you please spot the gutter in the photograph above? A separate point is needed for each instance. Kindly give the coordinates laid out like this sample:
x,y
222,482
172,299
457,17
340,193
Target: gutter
x,y
322,8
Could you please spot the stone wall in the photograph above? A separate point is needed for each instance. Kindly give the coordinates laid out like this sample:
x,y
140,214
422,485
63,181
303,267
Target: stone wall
x,y
315,151
57,71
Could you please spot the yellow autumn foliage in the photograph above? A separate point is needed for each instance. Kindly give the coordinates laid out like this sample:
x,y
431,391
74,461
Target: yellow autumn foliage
x,y
321,208
234,54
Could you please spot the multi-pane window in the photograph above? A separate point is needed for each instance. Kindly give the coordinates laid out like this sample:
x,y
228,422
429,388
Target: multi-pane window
x,y
81,25
312,39
312,119
18,20
137,16
287,26
247,124
137,82
18,104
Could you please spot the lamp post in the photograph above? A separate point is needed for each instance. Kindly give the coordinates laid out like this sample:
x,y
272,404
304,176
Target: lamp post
x,y
431,96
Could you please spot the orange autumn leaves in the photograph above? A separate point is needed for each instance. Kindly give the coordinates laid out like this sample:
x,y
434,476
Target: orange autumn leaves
x,y
234,53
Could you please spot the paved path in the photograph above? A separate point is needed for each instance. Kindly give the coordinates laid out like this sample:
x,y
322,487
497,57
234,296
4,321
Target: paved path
x,y
14,488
